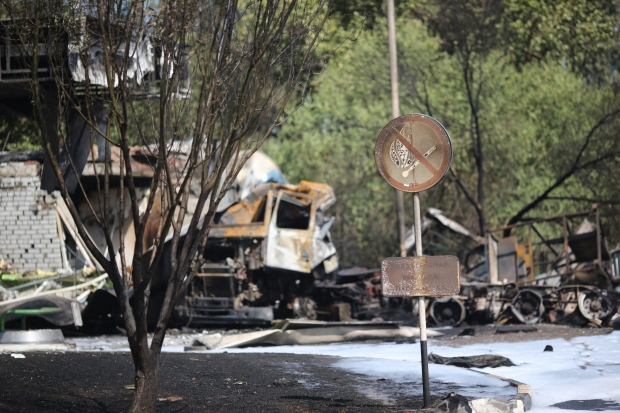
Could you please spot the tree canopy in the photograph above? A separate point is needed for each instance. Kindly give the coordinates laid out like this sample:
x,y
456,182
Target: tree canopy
x,y
533,134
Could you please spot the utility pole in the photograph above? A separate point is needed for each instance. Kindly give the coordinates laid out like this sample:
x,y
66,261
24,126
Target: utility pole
x,y
400,201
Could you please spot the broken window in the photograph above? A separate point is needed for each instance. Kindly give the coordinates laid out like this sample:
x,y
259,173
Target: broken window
x,y
293,213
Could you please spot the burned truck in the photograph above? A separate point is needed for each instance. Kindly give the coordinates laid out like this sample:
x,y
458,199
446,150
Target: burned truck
x,y
263,255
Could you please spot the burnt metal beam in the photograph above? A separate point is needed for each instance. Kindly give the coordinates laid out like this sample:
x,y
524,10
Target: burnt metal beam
x,y
547,243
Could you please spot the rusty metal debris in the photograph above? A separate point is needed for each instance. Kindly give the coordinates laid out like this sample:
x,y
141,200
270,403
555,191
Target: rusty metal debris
x,y
420,276
555,269
143,70
269,243
447,311
292,332
43,261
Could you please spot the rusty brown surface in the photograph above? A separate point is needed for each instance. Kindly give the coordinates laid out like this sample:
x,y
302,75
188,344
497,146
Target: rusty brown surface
x,y
248,218
529,222
422,159
246,211
420,276
562,251
142,164
252,230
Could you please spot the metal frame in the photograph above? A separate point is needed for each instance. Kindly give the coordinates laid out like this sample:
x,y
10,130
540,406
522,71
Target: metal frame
x,y
537,244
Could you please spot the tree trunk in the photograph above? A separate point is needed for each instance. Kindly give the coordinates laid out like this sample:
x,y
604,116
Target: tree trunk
x,y
145,398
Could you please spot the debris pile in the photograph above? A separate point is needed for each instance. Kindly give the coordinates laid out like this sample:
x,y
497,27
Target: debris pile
x,y
270,256
305,332
263,255
525,276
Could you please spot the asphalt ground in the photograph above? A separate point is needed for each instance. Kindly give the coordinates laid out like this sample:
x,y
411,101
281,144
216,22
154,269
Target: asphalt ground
x,y
95,382
222,382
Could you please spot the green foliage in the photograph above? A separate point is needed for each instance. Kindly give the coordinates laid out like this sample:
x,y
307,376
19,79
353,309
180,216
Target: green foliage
x,y
18,133
533,121
583,32
346,13
464,27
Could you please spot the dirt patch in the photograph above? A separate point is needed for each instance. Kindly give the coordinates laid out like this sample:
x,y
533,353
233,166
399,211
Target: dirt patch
x,y
461,336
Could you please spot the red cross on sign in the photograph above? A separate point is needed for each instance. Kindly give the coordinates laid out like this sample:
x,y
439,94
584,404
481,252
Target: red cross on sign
x,y
413,152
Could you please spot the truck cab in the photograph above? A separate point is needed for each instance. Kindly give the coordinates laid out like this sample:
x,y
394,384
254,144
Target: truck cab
x,y
264,254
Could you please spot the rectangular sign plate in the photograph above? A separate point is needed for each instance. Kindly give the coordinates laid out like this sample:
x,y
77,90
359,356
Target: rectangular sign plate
x,y
420,276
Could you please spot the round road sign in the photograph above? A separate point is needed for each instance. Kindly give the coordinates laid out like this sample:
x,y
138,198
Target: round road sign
x,y
413,152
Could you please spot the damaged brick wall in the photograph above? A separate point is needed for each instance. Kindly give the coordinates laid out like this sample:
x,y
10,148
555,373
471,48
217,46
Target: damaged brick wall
x,y
28,224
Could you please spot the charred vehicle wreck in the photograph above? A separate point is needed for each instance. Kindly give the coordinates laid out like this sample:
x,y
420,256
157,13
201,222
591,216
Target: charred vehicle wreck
x,y
557,270
549,270
263,255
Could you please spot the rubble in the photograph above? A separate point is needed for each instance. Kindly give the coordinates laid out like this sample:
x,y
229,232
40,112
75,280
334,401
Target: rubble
x,y
303,332
44,263
263,255
568,278
290,241
454,403
489,405
520,403
486,360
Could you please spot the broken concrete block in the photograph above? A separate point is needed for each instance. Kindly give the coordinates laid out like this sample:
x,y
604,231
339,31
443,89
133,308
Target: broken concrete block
x,y
526,398
524,388
489,405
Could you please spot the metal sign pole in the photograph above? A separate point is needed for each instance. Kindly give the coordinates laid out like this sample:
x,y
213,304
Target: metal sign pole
x,y
421,303
406,145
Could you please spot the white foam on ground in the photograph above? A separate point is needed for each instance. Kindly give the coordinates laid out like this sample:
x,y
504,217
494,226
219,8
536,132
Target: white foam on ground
x,y
583,368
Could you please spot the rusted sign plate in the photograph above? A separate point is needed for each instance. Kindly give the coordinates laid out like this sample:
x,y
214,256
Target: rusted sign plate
x,y
413,152
420,276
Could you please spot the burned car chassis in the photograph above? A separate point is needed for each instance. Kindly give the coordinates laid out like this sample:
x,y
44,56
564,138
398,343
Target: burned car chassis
x,y
481,303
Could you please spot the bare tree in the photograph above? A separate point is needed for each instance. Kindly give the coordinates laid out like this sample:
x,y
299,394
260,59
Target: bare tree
x,y
247,62
596,149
